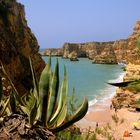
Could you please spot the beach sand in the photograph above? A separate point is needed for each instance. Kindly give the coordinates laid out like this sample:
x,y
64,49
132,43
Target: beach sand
x,y
104,116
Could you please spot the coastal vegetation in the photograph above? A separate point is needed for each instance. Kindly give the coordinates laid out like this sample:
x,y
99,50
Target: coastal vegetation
x,y
44,106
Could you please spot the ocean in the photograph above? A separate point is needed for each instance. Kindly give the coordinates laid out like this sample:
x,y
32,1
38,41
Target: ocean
x,y
89,79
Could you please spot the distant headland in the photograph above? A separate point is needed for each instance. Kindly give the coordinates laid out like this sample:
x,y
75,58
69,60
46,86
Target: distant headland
x,y
110,52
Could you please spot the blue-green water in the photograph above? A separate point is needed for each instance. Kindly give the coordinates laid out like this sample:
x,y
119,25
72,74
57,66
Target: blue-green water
x,y
89,79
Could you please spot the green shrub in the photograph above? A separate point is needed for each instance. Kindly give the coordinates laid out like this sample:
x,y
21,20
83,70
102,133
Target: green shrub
x,y
134,87
44,106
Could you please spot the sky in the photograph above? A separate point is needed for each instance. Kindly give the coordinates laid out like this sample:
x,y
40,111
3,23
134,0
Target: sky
x,y
55,22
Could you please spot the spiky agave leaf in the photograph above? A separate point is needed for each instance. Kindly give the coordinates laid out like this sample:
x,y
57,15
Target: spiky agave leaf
x,y
4,106
33,113
121,84
13,103
61,111
44,89
14,88
25,110
73,103
1,90
52,101
79,114
35,81
23,100
28,102
61,117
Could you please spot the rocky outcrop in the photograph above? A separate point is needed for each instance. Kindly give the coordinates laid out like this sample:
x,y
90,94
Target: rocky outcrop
x,y
73,56
17,43
107,52
52,52
107,56
126,97
123,98
132,72
100,52
120,47
73,47
132,51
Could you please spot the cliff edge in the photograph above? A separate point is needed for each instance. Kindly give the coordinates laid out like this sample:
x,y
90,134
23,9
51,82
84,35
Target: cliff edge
x,y
110,52
17,43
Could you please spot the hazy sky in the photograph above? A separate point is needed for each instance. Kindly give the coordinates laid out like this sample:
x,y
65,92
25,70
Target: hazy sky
x,y
57,21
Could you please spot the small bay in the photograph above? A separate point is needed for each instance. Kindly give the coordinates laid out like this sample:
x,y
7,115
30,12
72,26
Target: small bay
x,y
89,79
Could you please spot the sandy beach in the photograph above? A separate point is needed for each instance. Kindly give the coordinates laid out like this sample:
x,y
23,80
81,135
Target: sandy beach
x,y
104,116
98,113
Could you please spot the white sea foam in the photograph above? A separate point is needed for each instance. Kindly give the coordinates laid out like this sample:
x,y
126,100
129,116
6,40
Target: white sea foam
x,y
105,94
92,102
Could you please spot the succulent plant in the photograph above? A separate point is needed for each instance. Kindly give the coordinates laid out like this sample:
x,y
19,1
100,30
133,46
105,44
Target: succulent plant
x,y
3,103
121,84
46,105
1,88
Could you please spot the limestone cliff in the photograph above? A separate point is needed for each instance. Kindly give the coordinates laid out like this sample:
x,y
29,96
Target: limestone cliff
x,y
17,43
127,96
100,52
53,52
132,52
107,52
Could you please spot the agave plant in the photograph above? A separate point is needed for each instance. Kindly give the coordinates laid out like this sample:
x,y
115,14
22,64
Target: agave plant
x,y
122,84
3,103
47,105
8,104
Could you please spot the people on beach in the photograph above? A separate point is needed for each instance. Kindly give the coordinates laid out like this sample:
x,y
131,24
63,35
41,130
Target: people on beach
x,y
111,107
97,124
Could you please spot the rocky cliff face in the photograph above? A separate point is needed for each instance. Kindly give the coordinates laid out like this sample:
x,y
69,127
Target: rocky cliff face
x,y
100,52
126,96
53,52
107,52
104,52
132,51
17,43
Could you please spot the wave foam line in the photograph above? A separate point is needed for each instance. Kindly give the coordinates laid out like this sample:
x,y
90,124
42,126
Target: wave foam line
x,y
106,93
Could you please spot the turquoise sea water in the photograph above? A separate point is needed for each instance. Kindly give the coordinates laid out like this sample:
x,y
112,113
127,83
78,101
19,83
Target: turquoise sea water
x,y
89,79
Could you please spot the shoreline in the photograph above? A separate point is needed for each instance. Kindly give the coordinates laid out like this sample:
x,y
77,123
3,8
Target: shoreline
x,y
102,114
104,99
99,109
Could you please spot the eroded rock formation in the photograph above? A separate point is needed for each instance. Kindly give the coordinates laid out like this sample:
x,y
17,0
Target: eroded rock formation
x,y
107,52
73,56
126,97
17,43
53,52
100,52
132,51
